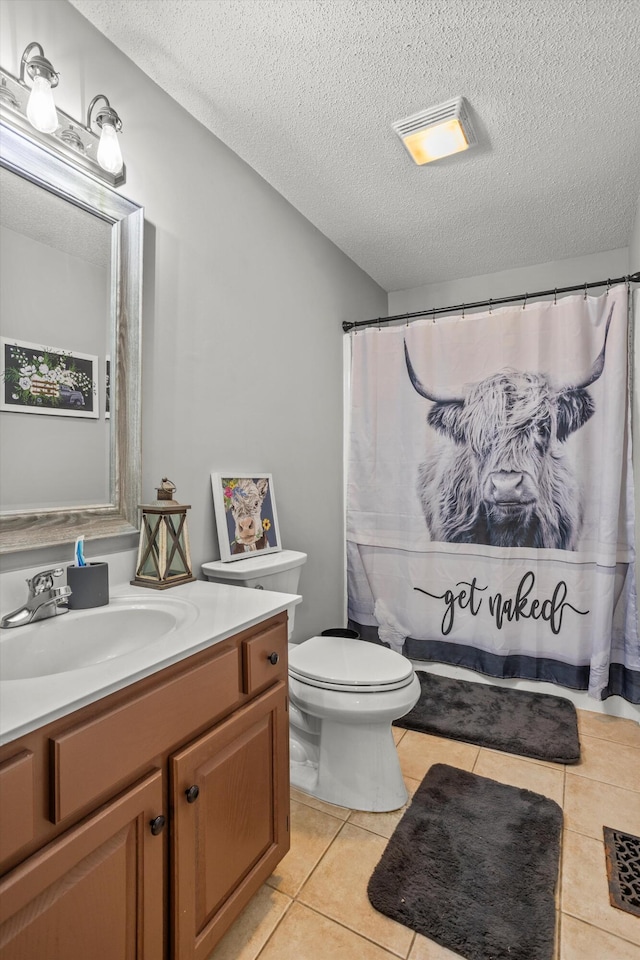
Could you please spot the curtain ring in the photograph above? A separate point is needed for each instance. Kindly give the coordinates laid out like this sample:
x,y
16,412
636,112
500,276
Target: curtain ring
x,y
555,297
433,315
608,287
585,292
525,300
490,303
463,311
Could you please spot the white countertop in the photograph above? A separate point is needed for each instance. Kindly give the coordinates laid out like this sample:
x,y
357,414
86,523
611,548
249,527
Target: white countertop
x,y
216,612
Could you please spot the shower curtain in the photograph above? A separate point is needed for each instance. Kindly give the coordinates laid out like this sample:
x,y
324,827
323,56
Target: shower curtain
x,y
490,505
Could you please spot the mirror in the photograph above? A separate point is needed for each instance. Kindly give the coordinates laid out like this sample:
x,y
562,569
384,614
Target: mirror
x,y
54,308
70,314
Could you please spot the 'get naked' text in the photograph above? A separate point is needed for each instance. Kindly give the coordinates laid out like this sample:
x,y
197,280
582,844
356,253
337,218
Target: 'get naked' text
x,y
468,595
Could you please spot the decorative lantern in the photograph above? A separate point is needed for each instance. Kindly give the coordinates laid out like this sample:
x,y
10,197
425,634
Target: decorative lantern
x,y
163,555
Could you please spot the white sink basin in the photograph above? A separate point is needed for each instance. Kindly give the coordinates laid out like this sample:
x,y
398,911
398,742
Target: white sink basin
x,y
84,638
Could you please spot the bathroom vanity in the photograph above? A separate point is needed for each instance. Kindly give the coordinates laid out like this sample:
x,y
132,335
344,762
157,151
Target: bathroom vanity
x,y
140,823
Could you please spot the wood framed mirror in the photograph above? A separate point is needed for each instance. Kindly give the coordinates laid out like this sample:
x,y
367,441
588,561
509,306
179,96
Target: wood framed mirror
x,y
70,472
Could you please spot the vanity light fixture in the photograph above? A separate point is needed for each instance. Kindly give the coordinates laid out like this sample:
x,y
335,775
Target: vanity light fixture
x,y
109,154
437,132
31,111
41,108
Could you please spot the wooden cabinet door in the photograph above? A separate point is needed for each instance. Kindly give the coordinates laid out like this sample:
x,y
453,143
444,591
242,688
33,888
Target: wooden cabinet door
x,y
95,892
229,838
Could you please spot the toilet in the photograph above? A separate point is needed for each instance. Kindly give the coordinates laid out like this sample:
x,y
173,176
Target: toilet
x,y
344,695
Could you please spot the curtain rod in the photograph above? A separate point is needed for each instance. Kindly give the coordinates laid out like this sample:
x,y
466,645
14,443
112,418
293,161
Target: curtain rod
x,y
630,278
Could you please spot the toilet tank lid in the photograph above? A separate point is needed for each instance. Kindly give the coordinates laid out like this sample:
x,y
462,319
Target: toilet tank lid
x,y
254,566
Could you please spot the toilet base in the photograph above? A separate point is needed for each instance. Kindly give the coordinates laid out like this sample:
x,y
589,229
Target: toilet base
x,y
363,772
304,776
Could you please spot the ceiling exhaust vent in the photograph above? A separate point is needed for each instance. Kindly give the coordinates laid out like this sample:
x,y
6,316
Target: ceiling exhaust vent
x,y
437,131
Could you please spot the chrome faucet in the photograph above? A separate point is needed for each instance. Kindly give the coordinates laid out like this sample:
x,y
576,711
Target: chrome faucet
x,y
44,600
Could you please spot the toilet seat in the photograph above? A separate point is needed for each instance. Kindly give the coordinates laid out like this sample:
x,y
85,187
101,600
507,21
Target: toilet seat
x,y
341,663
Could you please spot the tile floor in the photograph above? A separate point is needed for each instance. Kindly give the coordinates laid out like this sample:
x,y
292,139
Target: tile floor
x,y
315,906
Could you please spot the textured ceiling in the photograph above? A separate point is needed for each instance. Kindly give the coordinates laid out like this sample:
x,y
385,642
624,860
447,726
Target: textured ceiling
x,y
49,219
306,91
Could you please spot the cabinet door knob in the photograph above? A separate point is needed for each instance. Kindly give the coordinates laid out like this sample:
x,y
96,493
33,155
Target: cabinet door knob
x,y
273,658
192,793
157,825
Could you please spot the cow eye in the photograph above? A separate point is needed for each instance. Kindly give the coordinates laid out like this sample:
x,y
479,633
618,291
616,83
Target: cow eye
x,y
541,433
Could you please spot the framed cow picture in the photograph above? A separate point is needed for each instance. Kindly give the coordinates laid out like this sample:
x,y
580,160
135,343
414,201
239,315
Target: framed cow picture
x,y
246,517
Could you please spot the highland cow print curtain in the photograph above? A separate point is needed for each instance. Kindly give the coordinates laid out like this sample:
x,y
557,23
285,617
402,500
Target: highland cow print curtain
x,y
490,510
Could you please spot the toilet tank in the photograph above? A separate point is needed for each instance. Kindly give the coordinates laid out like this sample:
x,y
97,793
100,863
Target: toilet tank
x,y
279,571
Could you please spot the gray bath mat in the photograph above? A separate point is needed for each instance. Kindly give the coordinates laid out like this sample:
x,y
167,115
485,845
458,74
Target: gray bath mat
x,y
529,724
473,865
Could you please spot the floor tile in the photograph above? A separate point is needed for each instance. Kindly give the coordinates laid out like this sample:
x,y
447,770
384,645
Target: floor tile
x,y
608,762
384,823
581,941
304,934
609,728
556,943
398,734
419,751
585,891
254,926
338,889
342,813
424,949
551,764
589,805
311,834
518,772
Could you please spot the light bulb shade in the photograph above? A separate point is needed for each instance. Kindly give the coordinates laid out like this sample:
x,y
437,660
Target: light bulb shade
x,y
433,143
109,154
437,132
41,108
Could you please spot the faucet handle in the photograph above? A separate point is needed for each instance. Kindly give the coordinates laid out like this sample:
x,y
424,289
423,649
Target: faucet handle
x,y
43,581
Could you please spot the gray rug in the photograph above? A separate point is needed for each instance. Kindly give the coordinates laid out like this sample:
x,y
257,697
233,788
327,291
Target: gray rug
x,y
529,724
473,865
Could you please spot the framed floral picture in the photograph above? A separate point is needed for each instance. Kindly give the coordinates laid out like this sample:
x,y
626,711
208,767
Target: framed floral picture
x,y
50,380
246,516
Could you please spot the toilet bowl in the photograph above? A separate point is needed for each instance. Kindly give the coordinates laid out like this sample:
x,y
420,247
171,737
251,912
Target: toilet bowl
x,y
344,696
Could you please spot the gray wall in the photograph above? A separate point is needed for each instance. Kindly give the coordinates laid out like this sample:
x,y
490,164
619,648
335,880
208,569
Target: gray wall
x,y
243,301
540,276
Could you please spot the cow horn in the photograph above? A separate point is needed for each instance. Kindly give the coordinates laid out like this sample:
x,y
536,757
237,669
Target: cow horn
x,y
435,398
598,364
